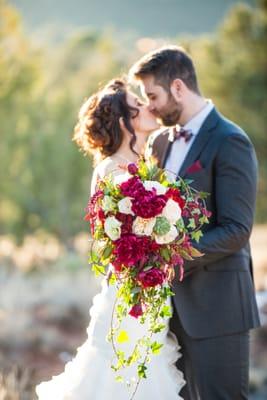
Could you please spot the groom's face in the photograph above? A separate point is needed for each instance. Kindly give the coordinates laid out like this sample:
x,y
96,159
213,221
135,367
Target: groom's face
x,y
161,102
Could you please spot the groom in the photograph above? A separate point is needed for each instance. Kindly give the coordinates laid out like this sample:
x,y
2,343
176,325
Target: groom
x,y
214,307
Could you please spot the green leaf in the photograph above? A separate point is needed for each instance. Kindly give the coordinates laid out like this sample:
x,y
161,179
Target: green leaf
x,y
196,253
122,337
167,291
183,253
203,219
98,269
165,312
196,235
203,195
165,253
155,347
192,223
107,252
158,328
142,370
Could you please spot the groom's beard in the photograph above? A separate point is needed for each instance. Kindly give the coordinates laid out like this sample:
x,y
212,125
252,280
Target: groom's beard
x,y
170,114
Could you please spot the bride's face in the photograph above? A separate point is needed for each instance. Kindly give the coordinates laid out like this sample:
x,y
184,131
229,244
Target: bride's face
x,y
143,122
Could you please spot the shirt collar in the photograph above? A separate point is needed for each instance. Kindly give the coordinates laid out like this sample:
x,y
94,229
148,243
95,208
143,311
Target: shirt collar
x,y
194,124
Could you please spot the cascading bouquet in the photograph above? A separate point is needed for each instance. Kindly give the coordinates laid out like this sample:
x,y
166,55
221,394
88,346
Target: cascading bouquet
x,y
142,226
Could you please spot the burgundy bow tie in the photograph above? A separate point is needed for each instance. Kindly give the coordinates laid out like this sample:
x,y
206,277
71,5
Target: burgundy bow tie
x,y
183,133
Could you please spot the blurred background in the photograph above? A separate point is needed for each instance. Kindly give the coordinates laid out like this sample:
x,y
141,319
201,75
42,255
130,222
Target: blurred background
x,y
52,56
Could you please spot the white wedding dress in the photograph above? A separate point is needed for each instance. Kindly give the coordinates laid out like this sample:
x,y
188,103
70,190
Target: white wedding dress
x,y
88,376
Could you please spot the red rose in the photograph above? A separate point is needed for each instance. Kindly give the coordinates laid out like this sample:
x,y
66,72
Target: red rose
x,y
148,204
129,249
151,278
133,187
132,168
136,311
175,195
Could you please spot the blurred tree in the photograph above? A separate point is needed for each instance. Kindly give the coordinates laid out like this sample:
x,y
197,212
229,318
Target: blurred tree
x,y
19,72
232,66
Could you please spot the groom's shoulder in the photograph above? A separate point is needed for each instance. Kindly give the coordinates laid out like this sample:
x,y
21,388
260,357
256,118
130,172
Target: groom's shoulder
x,y
158,137
227,129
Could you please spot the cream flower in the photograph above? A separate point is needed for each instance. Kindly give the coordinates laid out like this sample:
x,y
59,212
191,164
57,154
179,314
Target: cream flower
x,y
160,189
121,177
125,206
168,237
108,204
143,226
172,211
112,228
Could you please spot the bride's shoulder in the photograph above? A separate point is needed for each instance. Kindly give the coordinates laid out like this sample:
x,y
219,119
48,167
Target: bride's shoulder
x,y
105,167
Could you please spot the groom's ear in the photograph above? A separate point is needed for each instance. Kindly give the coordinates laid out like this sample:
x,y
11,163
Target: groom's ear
x,y
176,88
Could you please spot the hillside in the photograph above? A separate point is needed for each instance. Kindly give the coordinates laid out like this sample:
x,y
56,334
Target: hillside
x,y
142,17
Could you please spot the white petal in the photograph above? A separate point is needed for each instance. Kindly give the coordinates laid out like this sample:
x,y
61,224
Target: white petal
x,y
125,206
172,211
160,189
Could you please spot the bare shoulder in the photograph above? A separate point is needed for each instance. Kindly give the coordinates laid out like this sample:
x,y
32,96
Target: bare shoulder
x,y
105,167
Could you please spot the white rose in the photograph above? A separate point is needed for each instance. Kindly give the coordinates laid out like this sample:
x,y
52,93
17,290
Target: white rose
x,y
112,228
172,211
125,206
160,189
143,226
168,237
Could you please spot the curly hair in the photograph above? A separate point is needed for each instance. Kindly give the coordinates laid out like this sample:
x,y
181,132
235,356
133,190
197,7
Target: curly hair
x,y
98,131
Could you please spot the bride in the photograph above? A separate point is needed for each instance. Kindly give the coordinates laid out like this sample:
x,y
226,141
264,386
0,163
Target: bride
x,y
113,126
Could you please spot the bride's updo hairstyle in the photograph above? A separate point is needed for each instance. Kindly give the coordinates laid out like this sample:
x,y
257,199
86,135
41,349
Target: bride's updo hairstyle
x,y
98,130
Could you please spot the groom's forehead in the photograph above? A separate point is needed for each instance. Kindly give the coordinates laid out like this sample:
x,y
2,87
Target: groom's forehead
x,y
148,86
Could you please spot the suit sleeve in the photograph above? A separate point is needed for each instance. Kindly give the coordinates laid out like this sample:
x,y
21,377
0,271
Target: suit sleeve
x,y
235,195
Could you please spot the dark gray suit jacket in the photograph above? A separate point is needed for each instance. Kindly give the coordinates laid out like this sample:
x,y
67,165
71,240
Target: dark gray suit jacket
x,y
217,297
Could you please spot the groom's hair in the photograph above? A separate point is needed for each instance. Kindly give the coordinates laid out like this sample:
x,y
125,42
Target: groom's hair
x,y
166,64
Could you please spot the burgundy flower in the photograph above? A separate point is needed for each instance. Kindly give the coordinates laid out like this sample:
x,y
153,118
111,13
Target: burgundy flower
x,y
151,278
101,215
127,222
133,187
175,195
176,259
129,249
148,204
92,210
136,311
132,168
116,264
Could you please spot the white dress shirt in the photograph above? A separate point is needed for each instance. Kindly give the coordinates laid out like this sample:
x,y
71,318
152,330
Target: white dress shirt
x,y
180,147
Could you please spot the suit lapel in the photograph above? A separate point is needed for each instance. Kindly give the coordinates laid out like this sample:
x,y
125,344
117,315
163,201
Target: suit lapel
x,y
200,141
162,146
